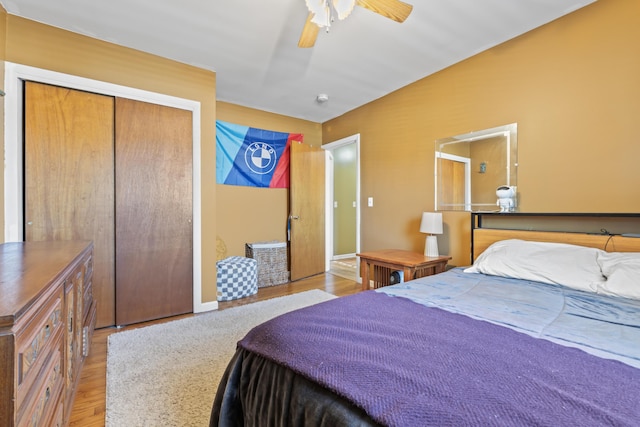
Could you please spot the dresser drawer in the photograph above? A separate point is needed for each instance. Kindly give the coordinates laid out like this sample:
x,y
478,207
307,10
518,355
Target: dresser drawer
x,y
42,404
75,285
38,339
88,267
88,328
87,284
88,297
58,416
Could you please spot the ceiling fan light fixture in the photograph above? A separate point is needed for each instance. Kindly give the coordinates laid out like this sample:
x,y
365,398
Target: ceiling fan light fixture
x,y
322,13
343,8
323,10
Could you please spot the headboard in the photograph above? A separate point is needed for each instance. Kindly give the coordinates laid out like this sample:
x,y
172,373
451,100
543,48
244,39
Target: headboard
x,y
597,230
483,237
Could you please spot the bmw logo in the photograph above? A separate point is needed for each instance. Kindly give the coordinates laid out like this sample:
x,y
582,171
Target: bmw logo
x,y
260,158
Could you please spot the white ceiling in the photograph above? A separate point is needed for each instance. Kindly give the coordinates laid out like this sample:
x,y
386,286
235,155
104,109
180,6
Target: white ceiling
x,y
252,44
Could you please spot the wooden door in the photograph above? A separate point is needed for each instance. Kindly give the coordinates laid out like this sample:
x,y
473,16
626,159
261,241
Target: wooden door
x,y
307,211
453,184
69,177
154,255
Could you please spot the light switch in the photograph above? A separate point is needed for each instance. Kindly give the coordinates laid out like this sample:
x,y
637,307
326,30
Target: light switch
x,y
335,204
354,203
370,201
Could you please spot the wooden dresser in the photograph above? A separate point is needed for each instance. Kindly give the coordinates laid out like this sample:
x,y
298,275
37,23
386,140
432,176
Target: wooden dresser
x,y
47,317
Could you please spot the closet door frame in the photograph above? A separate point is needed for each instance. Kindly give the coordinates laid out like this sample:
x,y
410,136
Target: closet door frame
x,y
15,74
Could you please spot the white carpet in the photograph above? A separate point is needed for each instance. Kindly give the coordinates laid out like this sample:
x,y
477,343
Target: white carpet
x,y
167,374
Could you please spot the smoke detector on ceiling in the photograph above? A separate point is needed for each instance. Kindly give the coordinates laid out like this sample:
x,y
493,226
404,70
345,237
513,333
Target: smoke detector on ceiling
x,y
322,98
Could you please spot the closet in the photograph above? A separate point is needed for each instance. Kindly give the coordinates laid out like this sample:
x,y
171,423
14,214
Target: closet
x,y
117,172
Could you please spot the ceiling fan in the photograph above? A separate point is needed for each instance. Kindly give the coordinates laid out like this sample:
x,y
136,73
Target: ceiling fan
x,y
321,14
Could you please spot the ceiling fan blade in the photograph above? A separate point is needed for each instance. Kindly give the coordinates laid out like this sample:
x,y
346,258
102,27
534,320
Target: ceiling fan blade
x,y
309,33
392,9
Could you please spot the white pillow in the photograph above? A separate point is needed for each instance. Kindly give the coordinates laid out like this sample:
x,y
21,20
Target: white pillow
x,y
556,263
622,270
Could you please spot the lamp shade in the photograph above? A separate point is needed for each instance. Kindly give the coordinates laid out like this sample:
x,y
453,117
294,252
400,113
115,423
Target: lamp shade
x,y
431,223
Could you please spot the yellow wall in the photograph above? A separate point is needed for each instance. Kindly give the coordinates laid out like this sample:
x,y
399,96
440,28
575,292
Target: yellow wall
x,y
573,88
345,175
249,214
493,152
37,45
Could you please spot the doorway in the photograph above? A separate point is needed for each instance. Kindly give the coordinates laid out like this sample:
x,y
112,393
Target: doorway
x,y
343,207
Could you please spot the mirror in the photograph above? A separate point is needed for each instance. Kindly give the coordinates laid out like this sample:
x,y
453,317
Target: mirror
x,y
470,168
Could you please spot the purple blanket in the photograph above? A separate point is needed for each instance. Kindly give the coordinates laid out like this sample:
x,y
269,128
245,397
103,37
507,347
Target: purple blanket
x,y
409,365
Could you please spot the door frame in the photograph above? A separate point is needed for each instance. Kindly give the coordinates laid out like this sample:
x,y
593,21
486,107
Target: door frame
x,y
13,139
467,177
329,181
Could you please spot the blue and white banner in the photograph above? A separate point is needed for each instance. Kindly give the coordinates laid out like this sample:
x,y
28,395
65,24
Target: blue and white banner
x,y
252,157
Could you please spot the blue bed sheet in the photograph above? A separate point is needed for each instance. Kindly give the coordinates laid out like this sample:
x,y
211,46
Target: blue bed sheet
x,y
605,326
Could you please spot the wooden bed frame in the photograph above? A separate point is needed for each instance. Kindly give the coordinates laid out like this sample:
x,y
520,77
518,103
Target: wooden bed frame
x,y
483,237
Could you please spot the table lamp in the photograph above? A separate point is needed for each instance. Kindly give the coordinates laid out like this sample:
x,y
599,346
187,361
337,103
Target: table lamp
x,y
431,224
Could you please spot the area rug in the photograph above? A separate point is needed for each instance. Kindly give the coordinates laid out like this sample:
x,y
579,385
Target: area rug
x,y
167,374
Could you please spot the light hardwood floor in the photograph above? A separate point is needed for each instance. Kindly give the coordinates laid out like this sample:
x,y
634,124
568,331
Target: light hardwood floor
x,y
345,267
90,404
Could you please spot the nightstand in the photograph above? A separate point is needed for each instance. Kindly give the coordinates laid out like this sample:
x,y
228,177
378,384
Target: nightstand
x,y
378,266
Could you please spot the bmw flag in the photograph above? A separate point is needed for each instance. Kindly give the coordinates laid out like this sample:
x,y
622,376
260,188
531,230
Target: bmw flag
x,y
252,157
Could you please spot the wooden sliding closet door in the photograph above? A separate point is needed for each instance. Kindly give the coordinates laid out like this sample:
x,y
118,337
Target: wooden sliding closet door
x,y
154,258
69,179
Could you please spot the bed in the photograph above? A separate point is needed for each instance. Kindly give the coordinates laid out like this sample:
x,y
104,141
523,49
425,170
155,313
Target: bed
x,y
536,332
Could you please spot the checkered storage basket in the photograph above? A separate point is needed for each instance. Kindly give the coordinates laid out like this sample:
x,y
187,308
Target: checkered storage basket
x,y
237,277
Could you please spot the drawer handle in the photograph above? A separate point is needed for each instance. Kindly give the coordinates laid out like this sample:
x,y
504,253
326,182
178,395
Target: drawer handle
x,y
85,341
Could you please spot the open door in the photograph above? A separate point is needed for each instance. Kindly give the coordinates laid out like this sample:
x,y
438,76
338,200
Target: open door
x,y
307,236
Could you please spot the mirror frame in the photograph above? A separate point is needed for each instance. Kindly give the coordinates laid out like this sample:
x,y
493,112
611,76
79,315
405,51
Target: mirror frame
x,y
510,131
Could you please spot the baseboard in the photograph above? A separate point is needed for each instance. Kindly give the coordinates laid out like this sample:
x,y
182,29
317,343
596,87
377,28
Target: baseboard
x,y
343,256
206,306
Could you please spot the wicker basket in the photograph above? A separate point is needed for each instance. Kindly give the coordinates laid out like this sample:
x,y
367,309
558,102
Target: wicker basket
x,y
272,262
